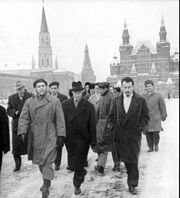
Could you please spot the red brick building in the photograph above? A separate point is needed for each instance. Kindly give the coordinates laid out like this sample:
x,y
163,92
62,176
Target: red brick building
x,y
144,61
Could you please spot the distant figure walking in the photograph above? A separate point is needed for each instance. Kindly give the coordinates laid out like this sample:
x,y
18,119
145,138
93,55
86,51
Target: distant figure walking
x,y
15,105
157,113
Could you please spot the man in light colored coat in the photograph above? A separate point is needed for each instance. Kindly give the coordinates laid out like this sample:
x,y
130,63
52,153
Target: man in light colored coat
x,y
157,113
42,119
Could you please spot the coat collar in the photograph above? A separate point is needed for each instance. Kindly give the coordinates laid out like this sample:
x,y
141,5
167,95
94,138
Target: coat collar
x,y
44,101
80,108
132,107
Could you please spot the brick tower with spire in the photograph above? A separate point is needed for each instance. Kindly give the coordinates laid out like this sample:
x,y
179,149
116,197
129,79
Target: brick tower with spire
x,y
125,51
87,73
45,50
163,51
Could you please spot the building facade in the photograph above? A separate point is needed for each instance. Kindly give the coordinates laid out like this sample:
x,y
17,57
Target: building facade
x,y
144,62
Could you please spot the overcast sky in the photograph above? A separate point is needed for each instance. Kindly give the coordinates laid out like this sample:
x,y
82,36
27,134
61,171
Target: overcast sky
x,y
73,23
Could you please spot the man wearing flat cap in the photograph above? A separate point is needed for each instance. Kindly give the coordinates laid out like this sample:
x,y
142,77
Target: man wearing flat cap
x,y
15,105
81,132
54,91
157,113
42,116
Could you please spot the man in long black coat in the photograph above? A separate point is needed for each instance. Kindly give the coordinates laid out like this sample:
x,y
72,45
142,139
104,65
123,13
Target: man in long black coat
x,y
80,132
128,116
54,91
4,134
15,105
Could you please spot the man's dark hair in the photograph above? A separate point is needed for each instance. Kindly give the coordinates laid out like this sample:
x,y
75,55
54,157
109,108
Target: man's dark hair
x,y
118,89
38,81
56,83
127,79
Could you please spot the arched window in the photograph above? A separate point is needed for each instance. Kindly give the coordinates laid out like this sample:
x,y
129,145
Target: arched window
x,y
42,62
47,62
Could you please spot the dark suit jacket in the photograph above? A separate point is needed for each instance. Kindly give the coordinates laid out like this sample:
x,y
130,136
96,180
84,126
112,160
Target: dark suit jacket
x,y
80,130
61,97
128,126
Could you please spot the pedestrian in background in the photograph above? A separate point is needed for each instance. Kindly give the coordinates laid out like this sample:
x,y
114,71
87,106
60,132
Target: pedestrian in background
x,y
54,91
103,146
86,92
43,117
157,113
14,108
4,134
128,117
81,132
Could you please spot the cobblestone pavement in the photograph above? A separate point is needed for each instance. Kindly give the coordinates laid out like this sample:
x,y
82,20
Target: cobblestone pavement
x,y
158,172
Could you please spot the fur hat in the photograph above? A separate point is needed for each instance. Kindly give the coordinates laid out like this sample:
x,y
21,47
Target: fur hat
x,y
147,82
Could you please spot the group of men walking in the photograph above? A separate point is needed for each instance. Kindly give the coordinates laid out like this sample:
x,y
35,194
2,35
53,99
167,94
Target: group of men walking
x,y
95,117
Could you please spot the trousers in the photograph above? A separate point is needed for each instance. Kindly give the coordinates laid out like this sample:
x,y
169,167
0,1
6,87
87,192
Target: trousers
x,y
152,139
47,171
1,156
132,174
17,159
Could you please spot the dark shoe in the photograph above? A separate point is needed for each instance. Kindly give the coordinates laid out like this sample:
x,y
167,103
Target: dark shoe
x,y
156,148
86,164
77,191
56,168
45,188
116,167
48,185
132,189
101,171
16,169
69,168
150,150
45,192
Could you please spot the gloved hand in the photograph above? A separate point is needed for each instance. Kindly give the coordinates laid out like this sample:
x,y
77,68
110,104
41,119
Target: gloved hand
x,y
60,141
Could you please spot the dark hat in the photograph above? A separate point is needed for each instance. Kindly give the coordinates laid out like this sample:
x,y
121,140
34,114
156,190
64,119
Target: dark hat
x,y
103,85
77,86
147,82
18,85
54,83
87,83
91,86
38,81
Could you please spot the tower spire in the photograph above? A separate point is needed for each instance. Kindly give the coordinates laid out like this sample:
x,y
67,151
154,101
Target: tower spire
x,y
162,32
44,27
125,35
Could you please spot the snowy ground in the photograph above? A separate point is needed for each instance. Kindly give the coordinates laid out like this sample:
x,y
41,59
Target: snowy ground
x,y
159,172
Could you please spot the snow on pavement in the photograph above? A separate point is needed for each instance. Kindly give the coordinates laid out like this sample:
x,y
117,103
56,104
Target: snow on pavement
x,y
159,174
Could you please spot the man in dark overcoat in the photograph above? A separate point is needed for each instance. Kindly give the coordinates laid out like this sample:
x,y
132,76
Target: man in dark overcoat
x,y
128,116
81,132
54,91
15,105
4,134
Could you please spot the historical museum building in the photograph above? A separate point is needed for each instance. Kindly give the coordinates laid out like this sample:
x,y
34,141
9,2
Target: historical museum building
x,y
144,62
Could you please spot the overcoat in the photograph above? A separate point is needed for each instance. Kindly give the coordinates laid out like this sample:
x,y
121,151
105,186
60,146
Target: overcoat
x,y
81,130
44,120
128,126
104,135
157,111
15,104
4,130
